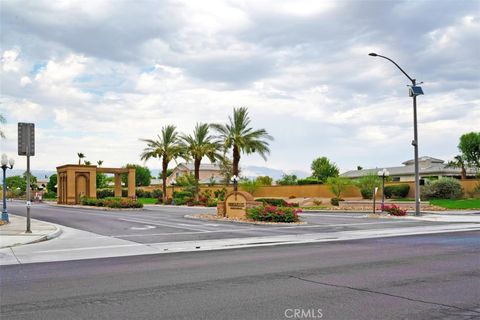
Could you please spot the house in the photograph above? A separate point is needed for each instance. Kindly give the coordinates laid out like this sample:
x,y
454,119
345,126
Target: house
x,y
208,172
429,168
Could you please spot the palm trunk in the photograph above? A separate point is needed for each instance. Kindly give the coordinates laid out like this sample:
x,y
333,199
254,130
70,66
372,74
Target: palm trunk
x,y
464,173
236,160
164,179
197,177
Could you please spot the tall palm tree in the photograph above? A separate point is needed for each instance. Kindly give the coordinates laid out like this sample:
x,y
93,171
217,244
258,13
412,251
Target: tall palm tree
x,y
241,138
199,145
100,162
167,147
2,120
459,162
80,157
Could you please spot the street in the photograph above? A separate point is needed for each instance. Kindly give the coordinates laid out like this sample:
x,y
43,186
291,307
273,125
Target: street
x,y
157,224
413,277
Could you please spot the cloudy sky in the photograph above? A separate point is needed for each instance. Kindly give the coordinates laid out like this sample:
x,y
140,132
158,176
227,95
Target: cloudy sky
x,y
95,76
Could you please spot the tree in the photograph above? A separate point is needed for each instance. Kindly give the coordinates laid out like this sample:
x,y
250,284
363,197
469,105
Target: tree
x,y
199,145
2,120
102,181
338,185
167,147
87,163
322,169
99,163
238,136
459,162
52,183
226,169
264,180
169,173
143,175
367,185
80,157
288,180
16,183
470,147
250,185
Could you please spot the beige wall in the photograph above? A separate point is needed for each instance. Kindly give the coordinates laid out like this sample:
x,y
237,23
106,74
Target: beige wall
x,y
319,191
204,174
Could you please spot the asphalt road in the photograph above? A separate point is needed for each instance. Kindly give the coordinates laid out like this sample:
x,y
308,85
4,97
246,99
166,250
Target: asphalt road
x,y
157,224
413,277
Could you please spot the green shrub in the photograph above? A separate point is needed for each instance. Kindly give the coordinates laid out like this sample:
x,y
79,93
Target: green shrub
x,y
273,214
443,188
183,194
220,194
141,193
335,201
49,195
179,201
104,193
157,193
273,202
310,180
211,202
111,202
397,191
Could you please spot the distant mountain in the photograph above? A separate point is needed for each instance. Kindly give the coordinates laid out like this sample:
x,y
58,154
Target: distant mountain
x,y
255,171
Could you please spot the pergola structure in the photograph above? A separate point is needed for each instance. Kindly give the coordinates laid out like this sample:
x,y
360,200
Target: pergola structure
x,y
75,181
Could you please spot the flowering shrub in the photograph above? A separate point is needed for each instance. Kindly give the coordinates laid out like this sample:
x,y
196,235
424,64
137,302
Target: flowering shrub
x,y
274,214
111,202
277,202
394,210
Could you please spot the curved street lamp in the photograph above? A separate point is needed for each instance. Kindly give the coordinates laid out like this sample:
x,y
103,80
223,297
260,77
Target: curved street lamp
x,y
414,91
6,163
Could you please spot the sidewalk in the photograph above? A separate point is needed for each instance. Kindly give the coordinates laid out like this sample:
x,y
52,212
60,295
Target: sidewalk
x,y
13,233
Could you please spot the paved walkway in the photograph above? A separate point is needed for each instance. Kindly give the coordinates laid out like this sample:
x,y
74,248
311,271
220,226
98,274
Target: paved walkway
x,y
13,233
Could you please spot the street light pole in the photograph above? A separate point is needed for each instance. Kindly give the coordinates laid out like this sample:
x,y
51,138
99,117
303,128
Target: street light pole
x,y
413,94
384,174
5,164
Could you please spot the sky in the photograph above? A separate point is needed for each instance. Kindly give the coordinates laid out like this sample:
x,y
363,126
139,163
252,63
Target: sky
x,y
98,76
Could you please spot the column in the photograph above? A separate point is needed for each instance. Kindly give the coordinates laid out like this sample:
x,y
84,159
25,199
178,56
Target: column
x,y
131,183
118,185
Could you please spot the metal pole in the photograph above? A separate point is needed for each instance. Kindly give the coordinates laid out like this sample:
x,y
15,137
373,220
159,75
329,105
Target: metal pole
x,y
28,184
383,190
4,211
374,195
415,146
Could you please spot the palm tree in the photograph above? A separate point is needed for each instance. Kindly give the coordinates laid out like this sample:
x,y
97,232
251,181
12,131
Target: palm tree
x,y
241,138
2,120
100,162
87,163
80,157
168,147
199,145
459,162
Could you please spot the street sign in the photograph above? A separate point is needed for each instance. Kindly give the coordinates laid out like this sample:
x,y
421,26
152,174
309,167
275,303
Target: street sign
x,y
26,139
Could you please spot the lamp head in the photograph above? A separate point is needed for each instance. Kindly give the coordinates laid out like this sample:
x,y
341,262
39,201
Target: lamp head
x,y
373,54
11,162
4,159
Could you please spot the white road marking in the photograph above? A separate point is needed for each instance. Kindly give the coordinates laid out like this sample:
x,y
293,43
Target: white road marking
x,y
147,227
188,227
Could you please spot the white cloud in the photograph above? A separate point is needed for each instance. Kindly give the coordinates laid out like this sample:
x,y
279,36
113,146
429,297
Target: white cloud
x,y
97,76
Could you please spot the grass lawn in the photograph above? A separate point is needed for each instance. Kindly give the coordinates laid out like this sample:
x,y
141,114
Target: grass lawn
x,y
147,200
457,204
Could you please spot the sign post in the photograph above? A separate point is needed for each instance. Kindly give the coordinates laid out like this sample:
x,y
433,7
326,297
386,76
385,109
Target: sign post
x,y
26,147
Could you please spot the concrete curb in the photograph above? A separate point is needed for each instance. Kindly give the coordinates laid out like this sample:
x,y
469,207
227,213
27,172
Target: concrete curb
x,y
248,222
93,207
50,236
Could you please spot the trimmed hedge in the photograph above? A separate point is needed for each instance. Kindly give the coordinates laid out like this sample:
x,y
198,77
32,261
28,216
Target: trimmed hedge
x,y
309,181
111,202
397,191
277,202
